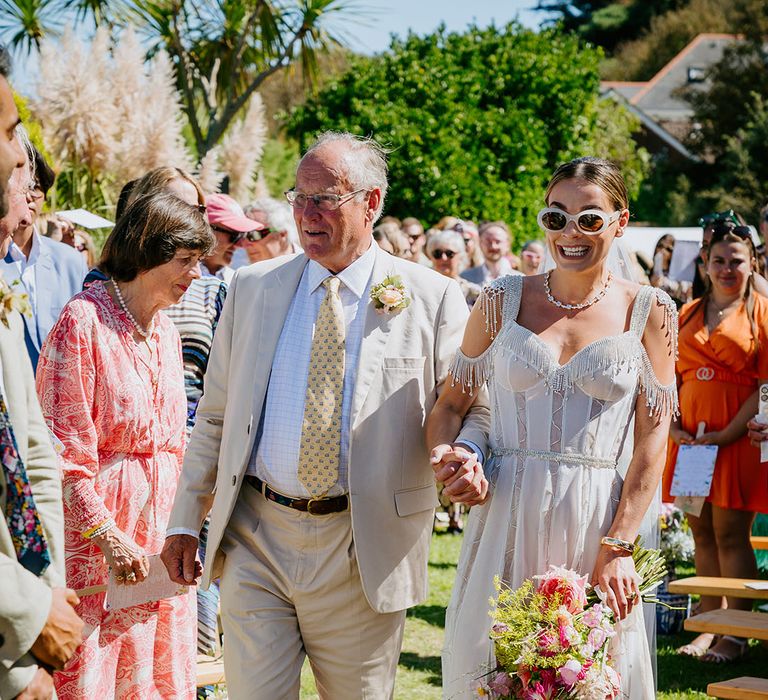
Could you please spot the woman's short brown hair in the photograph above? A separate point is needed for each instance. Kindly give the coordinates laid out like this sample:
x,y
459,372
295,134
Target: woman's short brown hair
x,y
151,230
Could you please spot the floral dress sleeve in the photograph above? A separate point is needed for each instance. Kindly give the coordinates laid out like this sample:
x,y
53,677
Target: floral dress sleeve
x,y
66,384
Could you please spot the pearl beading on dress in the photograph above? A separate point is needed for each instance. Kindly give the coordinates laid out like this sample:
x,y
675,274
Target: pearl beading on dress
x,y
139,329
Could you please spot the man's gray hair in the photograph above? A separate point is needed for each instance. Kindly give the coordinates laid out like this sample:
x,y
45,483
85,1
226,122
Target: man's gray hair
x,y
23,137
279,216
365,161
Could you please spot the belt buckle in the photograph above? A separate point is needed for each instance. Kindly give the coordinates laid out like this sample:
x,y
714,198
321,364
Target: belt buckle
x,y
705,374
309,506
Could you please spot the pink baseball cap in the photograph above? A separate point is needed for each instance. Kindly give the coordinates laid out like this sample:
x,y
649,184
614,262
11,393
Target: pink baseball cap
x,y
226,212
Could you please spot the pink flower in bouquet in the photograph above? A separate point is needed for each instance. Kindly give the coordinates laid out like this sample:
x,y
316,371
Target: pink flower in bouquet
x,y
569,672
549,644
593,615
501,684
564,582
597,637
569,636
542,689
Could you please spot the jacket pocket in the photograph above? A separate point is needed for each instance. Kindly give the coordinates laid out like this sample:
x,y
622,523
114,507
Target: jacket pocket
x,y
410,501
403,364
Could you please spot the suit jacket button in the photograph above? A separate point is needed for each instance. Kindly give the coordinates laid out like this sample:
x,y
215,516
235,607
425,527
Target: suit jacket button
x,y
234,480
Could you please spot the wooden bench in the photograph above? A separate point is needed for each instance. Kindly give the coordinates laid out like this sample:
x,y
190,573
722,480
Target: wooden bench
x,y
712,585
744,688
210,670
759,541
737,623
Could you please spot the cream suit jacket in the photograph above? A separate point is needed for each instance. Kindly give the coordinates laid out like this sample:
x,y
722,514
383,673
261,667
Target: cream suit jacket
x,y
25,599
404,359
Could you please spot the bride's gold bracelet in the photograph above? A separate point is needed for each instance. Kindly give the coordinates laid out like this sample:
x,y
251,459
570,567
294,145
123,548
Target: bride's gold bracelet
x,y
616,543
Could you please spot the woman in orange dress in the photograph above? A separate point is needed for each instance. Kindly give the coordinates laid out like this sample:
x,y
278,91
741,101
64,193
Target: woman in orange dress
x,y
723,347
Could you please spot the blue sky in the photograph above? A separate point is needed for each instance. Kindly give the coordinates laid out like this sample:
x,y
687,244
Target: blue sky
x,y
371,32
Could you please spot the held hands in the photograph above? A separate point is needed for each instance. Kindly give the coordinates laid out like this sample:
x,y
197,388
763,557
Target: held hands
x,y
680,436
459,471
61,634
124,556
180,558
615,574
721,438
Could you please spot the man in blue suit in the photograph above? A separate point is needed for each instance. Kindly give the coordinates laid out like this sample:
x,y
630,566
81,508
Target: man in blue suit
x,y
49,271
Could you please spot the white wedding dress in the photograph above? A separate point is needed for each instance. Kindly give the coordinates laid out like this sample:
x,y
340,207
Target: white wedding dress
x,y
558,436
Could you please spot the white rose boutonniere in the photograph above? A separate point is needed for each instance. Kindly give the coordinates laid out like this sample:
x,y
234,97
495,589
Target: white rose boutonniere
x,y
390,295
11,300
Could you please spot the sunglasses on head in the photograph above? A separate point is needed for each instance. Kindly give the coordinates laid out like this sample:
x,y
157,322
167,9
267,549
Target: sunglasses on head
x,y
591,221
440,254
728,215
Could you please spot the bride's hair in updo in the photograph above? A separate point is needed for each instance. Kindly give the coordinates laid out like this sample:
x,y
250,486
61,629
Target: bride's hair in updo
x,y
602,173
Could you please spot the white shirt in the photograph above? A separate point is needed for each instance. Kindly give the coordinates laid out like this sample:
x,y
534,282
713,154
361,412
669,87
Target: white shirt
x,y
26,267
225,273
275,456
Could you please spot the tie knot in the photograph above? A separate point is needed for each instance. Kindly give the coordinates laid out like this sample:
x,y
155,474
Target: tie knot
x,y
332,284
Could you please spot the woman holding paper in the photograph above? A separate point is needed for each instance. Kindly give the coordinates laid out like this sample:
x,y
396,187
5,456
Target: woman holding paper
x,y
111,385
723,356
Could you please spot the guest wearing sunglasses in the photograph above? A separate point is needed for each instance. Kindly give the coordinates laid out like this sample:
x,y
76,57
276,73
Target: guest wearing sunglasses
x,y
723,359
277,237
231,226
447,252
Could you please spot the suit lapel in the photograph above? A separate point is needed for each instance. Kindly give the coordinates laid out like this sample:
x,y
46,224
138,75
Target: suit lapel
x,y
375,336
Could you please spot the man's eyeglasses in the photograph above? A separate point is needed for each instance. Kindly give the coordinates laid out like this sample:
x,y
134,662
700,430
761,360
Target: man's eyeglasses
x,y
440,254
323,202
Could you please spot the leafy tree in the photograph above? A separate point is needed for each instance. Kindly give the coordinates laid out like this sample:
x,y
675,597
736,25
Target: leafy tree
x,y
476,121
222,51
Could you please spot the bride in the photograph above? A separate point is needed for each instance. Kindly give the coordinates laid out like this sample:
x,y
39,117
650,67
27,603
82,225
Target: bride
x,y
570,358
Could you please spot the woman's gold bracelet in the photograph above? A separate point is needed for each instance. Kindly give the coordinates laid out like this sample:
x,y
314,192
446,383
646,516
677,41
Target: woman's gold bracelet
x,y
616,543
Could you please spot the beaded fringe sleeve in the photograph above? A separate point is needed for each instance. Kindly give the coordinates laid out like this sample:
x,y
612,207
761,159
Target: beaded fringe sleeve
x,y
501,299
473,372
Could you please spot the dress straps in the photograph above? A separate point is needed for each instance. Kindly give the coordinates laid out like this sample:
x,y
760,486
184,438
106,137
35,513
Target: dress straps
x,y
500,301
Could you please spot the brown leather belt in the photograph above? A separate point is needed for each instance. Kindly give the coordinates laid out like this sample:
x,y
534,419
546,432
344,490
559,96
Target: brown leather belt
x,y
313,506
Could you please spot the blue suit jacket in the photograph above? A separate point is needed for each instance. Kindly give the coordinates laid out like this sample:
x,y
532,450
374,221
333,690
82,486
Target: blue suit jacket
x,y
59,274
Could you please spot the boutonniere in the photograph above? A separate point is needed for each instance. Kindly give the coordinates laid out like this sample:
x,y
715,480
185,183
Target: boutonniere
x,y
390,295
11,300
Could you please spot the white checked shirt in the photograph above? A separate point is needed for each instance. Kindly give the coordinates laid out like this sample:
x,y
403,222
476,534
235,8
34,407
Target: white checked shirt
x,y
275,456
27,269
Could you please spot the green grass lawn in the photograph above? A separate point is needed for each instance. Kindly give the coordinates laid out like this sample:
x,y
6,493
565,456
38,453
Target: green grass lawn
x,y
418,676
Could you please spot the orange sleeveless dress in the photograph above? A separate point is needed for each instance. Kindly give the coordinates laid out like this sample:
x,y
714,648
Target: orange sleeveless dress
x,y
719,372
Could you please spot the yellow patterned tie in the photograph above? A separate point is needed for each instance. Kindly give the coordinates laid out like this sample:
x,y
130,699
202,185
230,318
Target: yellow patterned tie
x,y
321,427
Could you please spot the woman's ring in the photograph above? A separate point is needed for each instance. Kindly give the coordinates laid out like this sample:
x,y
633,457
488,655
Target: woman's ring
x,y
130,576
632,596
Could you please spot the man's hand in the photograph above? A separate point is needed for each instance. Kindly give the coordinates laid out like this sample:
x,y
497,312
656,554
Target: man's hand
x,y
41,687
460,473
62,632
180,558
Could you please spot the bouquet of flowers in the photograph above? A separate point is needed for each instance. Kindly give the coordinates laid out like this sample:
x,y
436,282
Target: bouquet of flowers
x,y
676,536
551,636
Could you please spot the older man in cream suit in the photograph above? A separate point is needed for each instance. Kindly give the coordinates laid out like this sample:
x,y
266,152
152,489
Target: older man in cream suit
x,y
309,447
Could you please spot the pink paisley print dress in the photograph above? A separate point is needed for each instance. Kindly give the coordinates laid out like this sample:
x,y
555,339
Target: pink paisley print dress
x,y
120,415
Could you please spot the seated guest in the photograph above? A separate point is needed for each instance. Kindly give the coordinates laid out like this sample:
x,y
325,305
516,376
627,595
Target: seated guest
x,y
532,257
50,272
446,250
278,237
494,243
415,231
111,385
230,225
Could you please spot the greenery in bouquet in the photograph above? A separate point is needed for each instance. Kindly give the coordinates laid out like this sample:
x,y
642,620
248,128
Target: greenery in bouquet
x,y
676,538
552,636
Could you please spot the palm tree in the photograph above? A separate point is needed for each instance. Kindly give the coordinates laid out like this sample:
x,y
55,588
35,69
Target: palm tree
x,y
222,50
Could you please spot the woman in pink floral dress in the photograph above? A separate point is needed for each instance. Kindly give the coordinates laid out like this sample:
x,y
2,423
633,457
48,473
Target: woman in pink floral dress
x,y
111,385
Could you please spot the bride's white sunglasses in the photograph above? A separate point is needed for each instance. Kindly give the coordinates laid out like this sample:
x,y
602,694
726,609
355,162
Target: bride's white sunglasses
x,y
591,221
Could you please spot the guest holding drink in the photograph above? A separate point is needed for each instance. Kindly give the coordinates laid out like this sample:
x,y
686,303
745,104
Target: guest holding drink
x,y
111,385
723,357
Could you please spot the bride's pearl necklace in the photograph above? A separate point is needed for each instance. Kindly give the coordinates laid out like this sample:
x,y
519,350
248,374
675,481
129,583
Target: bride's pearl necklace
x,y
583,304
143,332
